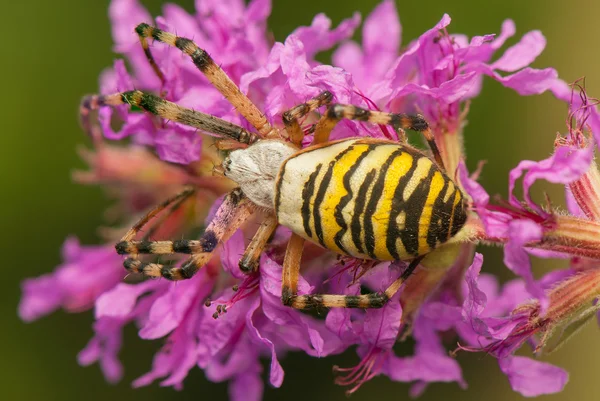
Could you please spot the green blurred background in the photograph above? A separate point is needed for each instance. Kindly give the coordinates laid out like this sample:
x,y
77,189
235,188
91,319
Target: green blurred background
x,y
53,52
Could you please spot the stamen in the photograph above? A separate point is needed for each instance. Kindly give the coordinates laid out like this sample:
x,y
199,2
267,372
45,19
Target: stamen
x,y
246,288
368,367
357,267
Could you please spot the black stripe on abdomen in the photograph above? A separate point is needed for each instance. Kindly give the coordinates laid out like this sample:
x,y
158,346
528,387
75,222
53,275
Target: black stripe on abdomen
x,y
371,208
307,192
398,206
323,185
441,215
414,210
359,207
346,199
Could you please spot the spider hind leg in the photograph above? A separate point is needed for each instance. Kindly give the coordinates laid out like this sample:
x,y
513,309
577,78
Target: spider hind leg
x,y
399,121
289,288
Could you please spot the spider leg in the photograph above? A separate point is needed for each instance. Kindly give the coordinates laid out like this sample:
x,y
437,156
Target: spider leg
x,y
167,110
232,213
289,295
175,201
161,219
291,269
145,46
217,77
400,121
249,261
290,117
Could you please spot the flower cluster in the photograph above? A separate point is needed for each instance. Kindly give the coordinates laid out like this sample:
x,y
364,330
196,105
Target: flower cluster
x,y
559,303
437,75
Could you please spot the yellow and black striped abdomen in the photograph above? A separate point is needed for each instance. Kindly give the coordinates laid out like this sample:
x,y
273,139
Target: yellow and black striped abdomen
x,y
368,198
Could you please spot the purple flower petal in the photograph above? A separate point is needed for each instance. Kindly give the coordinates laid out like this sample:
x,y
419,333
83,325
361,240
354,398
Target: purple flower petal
x,y
303,332
522,54
136,124
178,144
41,296
214,335
516,258
239,358
532,378
381,41
476,300
495,223
288,79
172,308
318,36
448,92
430,363
339,320
381,326
177,19
483,303
382,30
474,190
513,293
258,11
104,347
276,372
86,273
529,81
116,79
526,82
125,15
563,167
507,31
174,360
120,301
246,387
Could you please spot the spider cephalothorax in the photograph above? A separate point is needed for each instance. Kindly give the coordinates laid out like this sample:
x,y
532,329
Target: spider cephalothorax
x,y
256,167
363,197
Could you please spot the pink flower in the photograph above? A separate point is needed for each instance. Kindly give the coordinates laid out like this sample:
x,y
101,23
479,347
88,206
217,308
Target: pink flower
x,y
87,272
223,321
437,73
534,311
487,328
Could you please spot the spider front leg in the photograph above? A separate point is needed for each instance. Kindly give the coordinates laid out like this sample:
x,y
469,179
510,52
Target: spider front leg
x,y
400,121
167,110
175,201
290,117
289,291
217,77
232,213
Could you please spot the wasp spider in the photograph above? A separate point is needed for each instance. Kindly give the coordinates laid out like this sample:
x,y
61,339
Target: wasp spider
x,y
362,197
